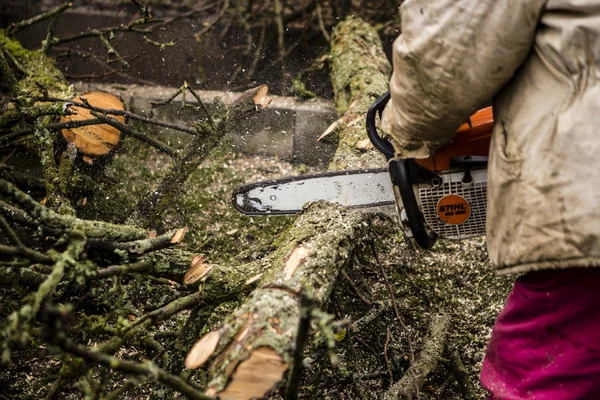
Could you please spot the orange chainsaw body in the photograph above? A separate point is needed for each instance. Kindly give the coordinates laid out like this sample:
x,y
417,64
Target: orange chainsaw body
x,y
471,139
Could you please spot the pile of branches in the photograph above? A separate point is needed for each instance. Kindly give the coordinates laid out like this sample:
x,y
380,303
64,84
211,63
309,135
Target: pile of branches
x,y
76,285
56,265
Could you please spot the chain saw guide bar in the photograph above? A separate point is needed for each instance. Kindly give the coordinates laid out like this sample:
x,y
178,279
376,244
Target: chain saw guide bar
x,y
442,196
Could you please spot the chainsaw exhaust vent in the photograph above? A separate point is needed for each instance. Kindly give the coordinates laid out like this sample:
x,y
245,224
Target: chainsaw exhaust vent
x,y
473,192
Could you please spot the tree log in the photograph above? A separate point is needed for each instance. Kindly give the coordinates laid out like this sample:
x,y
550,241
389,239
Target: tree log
x,y
254,345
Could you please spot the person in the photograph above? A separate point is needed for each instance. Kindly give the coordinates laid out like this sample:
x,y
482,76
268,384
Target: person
x,y
539,62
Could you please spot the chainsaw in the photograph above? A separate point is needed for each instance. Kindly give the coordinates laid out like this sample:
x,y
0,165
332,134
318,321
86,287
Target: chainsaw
x,y
441,196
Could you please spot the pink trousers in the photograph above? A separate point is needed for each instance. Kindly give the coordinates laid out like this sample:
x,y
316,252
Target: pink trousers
x,y
546,341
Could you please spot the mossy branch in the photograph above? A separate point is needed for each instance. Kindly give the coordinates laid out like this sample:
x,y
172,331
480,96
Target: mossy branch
x,y
61,223
19,26
55,335
18,328
244,106
431,353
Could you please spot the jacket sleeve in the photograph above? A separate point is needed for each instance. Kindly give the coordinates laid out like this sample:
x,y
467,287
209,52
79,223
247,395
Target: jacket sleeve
x,y
452,57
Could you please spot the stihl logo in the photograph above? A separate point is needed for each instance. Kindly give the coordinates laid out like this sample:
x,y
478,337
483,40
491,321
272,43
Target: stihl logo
x,y
457,208
453,209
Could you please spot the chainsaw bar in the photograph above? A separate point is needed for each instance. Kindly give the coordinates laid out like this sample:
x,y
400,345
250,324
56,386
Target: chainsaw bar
x,y
353,189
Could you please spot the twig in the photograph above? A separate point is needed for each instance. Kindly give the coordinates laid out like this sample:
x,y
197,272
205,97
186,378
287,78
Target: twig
x,y
429,357
356,289
107,111
321,23
49,36
462,376
58,338
306,306
258,53
398,317
10,76
113,270
161,46
385,350
112,71
13,29
59,223
26,252
202,105
111,50
212,23
374,313
189,14
281,42
18,323
167,101
174,307
126,129
138,247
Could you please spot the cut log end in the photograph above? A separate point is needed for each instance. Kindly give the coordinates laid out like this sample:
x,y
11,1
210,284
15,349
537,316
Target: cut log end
x,y
255,376
179,235
94,140
202,350
198,270
294,260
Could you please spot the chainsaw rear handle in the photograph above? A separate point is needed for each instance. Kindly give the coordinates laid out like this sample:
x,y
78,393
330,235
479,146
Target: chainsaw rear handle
x,y
401,171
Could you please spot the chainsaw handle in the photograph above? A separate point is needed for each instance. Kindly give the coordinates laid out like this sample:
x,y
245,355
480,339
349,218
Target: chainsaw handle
x,y
400,172
381,144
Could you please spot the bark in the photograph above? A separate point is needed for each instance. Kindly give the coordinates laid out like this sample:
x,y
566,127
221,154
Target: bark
x,y
256,342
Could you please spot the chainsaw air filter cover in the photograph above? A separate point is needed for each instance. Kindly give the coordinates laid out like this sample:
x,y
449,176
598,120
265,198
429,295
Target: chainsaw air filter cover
x,y
455,209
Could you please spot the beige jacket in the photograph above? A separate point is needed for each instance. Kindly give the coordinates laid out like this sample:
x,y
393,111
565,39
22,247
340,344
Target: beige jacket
x,y
539,60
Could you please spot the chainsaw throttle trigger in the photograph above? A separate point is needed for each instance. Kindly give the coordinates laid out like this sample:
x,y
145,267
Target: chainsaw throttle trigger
x,y
381,144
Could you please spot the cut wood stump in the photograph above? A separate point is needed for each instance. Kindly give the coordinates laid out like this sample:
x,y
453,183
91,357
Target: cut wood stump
x,y
94,140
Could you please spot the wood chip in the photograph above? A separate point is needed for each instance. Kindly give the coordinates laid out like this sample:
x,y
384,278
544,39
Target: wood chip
x,y
330,129
294,260
256,376
198,270
179,235
202,350
253,279
261,98
94,140
364,144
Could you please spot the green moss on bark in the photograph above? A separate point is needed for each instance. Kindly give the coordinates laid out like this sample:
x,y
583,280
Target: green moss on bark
x,y
360,74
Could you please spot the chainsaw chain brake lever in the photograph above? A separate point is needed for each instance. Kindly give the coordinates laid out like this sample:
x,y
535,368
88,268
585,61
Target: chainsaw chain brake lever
x,y
403,172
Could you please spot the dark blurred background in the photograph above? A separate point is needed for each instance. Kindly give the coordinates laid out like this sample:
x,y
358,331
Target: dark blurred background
x,y
219,44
